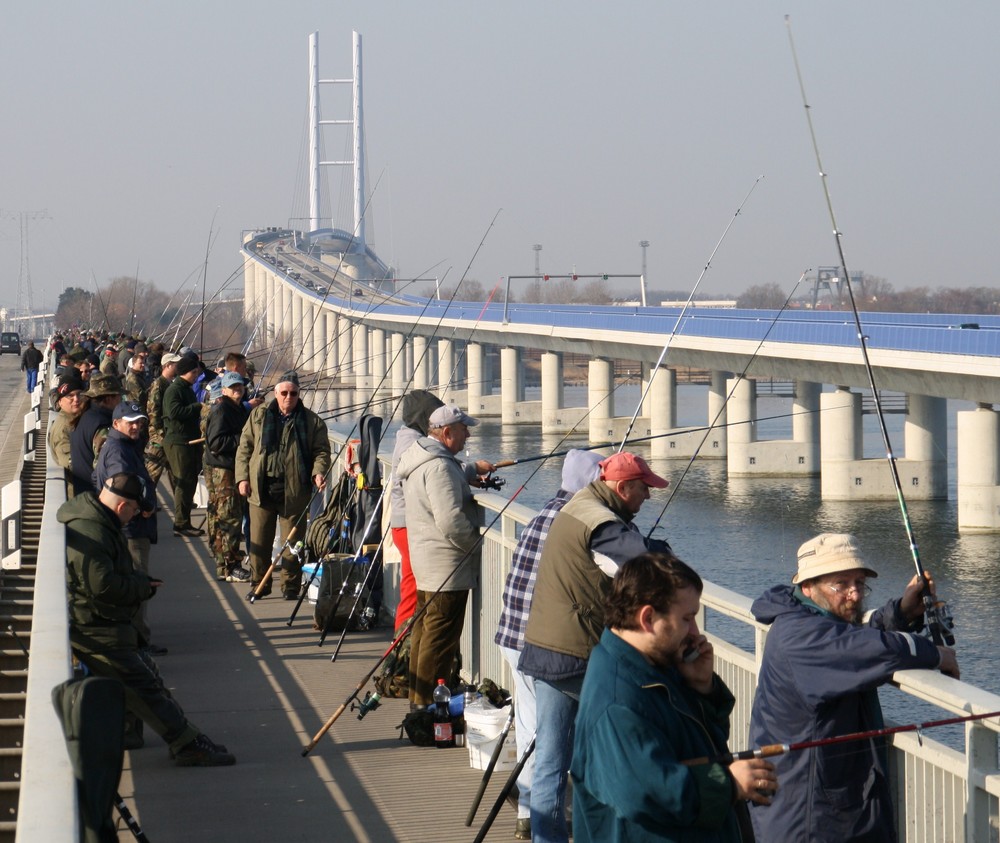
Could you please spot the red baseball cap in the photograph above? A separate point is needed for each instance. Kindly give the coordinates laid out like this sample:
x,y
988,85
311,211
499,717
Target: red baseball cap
x,y
626,466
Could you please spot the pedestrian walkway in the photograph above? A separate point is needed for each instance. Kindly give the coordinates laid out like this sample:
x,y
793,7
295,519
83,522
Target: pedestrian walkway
x,y
263,689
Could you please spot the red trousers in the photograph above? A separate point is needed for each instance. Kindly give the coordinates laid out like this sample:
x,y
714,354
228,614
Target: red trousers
x,y
407,584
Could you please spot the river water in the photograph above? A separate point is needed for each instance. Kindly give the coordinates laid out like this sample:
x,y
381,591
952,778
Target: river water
x,y
743,534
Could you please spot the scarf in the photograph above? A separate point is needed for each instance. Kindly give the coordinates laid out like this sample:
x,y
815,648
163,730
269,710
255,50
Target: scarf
x,y
271,432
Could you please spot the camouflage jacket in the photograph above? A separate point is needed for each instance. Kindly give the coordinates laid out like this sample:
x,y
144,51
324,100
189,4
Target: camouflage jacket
x,y
137,388
154,409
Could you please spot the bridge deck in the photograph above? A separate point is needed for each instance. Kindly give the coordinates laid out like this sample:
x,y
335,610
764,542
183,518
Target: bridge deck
x,y
263,689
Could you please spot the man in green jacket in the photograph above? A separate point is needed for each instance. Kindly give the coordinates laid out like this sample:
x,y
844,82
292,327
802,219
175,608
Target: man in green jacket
x,y
284,453
651,701
181,425
105,592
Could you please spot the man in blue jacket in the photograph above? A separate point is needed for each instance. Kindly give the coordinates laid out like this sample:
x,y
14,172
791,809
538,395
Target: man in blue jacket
x,y
645,710
822,666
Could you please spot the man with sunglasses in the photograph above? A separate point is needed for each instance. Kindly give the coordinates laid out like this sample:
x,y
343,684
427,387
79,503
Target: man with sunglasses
x,y
284,453
823,663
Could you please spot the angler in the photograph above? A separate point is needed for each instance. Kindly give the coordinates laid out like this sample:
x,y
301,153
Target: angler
x,y
819,677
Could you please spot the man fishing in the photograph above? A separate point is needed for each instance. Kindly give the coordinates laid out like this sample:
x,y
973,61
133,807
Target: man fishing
x,y
646,706
819,677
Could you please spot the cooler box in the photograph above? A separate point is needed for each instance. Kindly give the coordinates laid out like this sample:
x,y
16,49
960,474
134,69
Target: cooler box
x,y
307,572
483,725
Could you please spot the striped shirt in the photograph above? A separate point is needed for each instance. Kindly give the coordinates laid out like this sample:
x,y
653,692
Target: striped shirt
x,y
520,585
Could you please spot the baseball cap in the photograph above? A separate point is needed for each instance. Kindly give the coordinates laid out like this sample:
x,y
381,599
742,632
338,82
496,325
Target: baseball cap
x,y
127,411
450,414
169,358
628,466
231,379
830,553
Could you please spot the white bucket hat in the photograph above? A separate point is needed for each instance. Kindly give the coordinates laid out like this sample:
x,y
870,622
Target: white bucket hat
x,y
830,553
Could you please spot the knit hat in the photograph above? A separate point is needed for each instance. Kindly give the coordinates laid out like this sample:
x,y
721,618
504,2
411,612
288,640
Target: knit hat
x,y
128,486
830,553
68,384
290,377
580,468
627,466
186,364
418,405
103,385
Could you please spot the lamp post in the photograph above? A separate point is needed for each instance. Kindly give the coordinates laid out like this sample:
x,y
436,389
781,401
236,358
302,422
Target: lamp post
x,y
643,244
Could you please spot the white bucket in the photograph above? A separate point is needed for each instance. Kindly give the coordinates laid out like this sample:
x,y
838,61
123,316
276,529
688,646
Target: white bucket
x,y
483,725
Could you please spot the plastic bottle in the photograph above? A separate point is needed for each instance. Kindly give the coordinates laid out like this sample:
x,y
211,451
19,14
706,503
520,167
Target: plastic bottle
x,y
444,736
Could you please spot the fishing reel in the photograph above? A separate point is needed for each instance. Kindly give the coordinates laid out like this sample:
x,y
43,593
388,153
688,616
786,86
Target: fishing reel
x,y
369,703
941,623
492,482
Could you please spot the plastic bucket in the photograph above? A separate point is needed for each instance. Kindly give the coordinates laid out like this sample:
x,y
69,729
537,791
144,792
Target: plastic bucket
x,y
483,725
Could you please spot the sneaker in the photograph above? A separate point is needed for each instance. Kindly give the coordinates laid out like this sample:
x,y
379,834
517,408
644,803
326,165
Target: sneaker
x,y
237,573
201,752
522,828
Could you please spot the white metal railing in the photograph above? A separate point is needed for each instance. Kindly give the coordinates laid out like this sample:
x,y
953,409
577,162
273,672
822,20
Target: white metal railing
x,y
942,795
47,807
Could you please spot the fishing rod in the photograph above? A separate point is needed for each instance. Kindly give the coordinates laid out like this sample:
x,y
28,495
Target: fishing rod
x,y
739,378
936,613
771,750
204,278
680,316
100,298
135,290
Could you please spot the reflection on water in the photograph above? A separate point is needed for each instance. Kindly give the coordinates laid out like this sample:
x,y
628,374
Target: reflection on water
x,y
743,534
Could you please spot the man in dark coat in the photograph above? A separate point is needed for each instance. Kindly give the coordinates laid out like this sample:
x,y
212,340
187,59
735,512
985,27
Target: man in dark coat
x,y
91,431
30,361
181,424
105,592
819,678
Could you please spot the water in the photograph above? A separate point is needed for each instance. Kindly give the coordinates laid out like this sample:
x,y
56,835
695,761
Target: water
x,y
743,534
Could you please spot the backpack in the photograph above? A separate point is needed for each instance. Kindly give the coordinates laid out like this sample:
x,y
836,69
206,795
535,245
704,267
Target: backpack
x,y
393,679
419,728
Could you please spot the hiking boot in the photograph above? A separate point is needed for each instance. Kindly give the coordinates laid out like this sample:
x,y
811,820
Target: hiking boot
x,y
189,531
266,590
289,594
201,752
237,573
522,828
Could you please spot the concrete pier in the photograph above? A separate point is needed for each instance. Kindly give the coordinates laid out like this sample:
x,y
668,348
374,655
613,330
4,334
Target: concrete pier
x,y
979,470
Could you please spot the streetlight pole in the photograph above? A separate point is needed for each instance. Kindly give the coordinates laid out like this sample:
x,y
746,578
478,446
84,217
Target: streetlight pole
x,y
643,244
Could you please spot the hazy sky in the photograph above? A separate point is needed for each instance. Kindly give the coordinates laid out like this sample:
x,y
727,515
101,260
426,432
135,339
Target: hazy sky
x,y
592,125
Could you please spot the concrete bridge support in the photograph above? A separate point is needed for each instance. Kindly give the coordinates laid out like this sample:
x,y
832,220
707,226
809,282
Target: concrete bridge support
x,y
749,456
330,342
421,365
662,403
555,415
345,357
445,367
601,398
475,388
377,367
295,349
249,293
397,348
925,437
513,408
978,434
310,313
359,345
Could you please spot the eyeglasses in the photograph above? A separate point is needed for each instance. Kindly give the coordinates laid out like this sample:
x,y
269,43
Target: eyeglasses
x,y
288,394
862,588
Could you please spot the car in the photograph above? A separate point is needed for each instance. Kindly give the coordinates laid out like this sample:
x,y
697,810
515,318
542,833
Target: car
x,y
10,343
358,291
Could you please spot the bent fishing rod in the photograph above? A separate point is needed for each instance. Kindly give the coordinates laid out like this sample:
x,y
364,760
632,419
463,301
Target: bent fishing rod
x,y
770,750
936,613
680,316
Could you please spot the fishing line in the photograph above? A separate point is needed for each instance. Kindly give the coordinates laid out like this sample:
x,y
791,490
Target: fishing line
x,y
937,617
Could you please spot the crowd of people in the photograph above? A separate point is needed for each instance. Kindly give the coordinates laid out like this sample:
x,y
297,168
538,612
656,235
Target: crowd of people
x,y
125,413
615,686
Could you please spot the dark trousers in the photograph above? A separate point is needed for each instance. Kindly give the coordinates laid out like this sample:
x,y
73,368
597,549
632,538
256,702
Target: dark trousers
x,y
145,694
185,465
263,523
434,641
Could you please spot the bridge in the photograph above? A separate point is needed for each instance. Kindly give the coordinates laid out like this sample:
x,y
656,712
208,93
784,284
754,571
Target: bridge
x,y
349,322
253,678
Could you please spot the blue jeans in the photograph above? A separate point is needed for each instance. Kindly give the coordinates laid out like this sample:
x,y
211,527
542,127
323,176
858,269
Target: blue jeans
x,y
32,378
524,727
556,706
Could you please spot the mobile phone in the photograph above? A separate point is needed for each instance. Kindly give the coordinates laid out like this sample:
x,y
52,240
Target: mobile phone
x,y
690,654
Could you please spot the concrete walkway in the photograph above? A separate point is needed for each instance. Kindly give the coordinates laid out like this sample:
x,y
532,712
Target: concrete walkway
x,y
263,689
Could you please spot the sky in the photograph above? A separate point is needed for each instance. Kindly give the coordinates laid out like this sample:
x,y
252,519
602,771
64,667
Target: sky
x,y
136,133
